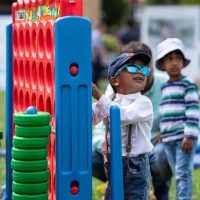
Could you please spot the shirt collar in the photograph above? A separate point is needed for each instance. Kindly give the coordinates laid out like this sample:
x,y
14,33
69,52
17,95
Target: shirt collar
x,y
128,96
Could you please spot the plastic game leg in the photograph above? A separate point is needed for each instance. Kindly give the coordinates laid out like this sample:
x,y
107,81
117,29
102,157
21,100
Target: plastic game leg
x,y
9,110
116,175
73,72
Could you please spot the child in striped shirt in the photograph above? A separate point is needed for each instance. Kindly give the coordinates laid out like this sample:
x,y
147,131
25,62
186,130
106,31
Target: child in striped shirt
x,y
179,114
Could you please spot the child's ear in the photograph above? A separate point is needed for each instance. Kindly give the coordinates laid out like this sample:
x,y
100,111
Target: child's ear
x,y
114,81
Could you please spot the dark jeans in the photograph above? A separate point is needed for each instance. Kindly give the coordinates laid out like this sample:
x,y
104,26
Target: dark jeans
x,y
161,185
136,178
98,166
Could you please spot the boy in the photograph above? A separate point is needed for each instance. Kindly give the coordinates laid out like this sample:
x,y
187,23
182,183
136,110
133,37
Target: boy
x,y
127,75
179,114
157,159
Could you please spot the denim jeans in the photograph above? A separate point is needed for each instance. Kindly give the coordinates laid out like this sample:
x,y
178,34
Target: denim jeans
x,y
136,172
181,164
161,185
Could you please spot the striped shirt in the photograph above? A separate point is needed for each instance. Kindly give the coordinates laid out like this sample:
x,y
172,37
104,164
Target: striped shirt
x,y
179,110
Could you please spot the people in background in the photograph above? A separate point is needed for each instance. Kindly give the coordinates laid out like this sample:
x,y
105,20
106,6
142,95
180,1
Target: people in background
x,y
128,33
179,114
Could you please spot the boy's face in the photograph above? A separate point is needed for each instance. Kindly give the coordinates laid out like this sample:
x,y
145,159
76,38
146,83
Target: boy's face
x,y
173,63
127,83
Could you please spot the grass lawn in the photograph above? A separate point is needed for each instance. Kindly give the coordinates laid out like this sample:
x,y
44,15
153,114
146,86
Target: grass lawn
x,y
96,182
196,187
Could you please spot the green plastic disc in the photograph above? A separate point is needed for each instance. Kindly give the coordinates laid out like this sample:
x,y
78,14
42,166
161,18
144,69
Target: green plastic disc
x,y
29,154
30,143
39,119
30,177
1,135
32,131
28,188
29,197
29,166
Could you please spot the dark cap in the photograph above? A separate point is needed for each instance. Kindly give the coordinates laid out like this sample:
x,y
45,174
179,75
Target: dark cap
x,y
123,58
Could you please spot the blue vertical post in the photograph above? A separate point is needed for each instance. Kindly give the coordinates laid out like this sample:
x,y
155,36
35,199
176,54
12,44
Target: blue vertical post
x,y
9,110
73,72
116,175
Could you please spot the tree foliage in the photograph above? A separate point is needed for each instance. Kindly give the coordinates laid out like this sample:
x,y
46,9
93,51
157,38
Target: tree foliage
x,y
114,10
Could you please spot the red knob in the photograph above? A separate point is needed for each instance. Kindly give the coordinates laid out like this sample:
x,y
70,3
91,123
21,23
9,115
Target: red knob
x,y
74,190
74,69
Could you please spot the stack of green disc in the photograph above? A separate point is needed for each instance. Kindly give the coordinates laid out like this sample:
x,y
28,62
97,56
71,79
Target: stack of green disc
x,y
29,156
1,137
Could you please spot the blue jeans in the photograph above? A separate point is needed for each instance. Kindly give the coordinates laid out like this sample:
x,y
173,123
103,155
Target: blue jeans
x,y
136,172
161,185
181,164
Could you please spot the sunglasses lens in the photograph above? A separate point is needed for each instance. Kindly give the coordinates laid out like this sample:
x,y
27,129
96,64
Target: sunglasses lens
x,y
145,71
132,69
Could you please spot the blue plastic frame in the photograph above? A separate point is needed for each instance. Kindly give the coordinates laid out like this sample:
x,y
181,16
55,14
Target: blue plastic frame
x,y
116,175
9,109
73,107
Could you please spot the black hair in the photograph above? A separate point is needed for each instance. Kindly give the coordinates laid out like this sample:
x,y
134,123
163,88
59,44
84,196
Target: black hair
x,y
177,51
135,47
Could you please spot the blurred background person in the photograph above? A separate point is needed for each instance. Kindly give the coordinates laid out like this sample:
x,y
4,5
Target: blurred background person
x,y
105,47
128,32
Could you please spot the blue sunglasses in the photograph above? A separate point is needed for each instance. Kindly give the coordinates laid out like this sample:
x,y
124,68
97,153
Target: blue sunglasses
x,y
133,68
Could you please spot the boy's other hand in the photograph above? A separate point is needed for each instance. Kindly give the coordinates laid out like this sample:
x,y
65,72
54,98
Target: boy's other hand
x,y
95,92
187,144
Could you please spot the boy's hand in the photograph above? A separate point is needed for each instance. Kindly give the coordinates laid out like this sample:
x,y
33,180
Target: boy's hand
x,y
95,92
187,144
156,139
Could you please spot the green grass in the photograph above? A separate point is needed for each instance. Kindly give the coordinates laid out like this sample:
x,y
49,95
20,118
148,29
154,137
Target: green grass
x,y
196,187
96,182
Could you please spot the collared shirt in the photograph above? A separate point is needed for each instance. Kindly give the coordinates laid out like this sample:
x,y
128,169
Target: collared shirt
x,y
154,94
135,109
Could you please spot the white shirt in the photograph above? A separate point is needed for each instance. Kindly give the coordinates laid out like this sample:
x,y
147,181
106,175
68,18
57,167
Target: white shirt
x,y
135,109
